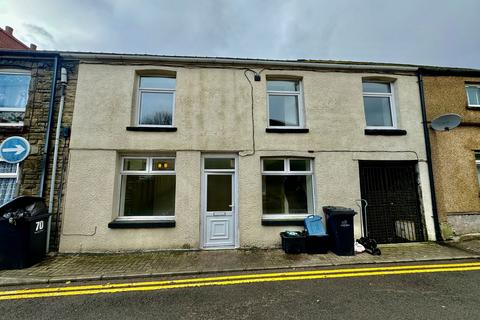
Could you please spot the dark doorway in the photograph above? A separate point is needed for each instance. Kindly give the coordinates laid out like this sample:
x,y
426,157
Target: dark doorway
x,y
393,213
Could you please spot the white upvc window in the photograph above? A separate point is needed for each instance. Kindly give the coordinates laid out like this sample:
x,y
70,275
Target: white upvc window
x,y
147,188
14,88
8,181
473,95
156,101
477,162
379,105
285,104
287,188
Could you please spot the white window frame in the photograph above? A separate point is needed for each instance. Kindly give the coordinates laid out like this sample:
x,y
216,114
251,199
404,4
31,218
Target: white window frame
x,y
287,172
11,175
24,109
148,171
155,90
298,94
468,98
390,96
477,165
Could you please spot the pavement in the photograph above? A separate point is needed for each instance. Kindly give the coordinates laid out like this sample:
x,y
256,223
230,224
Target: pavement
x,y
66,268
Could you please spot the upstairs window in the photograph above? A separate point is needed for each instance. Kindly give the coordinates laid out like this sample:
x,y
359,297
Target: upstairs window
x,y
285,104
477,162
287,187
156,101
473,95
14,88
378,102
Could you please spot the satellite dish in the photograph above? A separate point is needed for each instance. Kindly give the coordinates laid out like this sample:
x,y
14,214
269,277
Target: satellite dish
x,y
446,122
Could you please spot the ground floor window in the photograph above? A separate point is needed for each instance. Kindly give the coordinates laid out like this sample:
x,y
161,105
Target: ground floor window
x,y
287,186
147,187
8,181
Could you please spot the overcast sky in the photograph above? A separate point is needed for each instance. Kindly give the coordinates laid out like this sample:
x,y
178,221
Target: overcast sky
x,y
434,32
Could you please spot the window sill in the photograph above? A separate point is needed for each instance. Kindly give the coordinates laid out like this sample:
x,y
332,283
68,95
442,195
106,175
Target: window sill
x,y
122,224
282,222
152,129
287,130
18,129
476,108
385,132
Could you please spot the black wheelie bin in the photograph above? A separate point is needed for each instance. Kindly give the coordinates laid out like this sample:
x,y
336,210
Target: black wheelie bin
x,y
23,232
340,229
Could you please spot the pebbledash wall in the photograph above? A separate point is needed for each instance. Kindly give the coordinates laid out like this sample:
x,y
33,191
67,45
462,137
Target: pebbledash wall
x,y
453,152
40,66
213,114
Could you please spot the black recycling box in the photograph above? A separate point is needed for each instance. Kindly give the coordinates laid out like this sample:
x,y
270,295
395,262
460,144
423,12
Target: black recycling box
x,y
23,232
317,240
317,244
293,241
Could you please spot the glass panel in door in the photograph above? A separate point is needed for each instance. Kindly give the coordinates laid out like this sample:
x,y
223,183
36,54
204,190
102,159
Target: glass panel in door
x,y
219,192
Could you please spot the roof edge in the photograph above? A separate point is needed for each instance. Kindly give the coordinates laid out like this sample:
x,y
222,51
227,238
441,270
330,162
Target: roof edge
x,y
240,61
29,53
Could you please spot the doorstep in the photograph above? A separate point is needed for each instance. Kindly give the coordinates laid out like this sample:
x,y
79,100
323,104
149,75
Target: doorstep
x,y
61,268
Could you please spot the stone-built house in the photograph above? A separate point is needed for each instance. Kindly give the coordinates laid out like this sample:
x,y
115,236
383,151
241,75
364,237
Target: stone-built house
x,y
455,153
185,153
30,92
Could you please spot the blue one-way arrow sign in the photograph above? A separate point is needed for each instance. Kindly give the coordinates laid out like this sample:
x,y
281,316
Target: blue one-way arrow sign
x,y
14,149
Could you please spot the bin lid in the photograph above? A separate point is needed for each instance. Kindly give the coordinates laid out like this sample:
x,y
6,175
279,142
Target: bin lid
x,y
333,210
314,226
33,205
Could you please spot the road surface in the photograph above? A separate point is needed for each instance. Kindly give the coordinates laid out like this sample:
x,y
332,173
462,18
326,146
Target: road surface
x,y
449,290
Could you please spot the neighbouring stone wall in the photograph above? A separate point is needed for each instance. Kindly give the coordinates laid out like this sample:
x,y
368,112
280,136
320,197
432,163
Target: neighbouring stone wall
x,y
35,126
453,155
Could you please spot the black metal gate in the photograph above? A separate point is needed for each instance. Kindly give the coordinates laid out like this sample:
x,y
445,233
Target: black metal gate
x,y
393,212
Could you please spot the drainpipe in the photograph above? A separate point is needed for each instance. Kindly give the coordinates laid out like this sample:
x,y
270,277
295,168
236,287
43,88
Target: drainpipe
x,y
51,105
63,80
426,135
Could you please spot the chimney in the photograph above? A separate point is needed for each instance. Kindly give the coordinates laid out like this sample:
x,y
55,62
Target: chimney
x,y
9,30
33,46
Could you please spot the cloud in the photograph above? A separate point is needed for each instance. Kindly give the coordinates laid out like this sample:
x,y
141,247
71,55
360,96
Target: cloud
x,y
39,35
437,32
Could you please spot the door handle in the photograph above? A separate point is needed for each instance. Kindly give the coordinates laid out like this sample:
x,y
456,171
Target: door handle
x,y
231,205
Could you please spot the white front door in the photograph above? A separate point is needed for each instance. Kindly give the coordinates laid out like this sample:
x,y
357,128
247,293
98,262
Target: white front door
x,y
219,208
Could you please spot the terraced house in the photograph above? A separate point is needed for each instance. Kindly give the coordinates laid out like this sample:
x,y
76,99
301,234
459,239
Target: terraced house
x,y
185,152
455,153
30,94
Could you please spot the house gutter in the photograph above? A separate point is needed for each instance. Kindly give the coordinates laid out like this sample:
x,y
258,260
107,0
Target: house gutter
x,y
51,106
241,62
63,80
426,135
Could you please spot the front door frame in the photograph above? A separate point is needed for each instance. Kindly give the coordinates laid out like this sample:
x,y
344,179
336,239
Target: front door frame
x,y
203,205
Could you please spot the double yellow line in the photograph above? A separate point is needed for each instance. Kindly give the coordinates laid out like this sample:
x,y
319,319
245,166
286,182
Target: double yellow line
x,y
233,280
